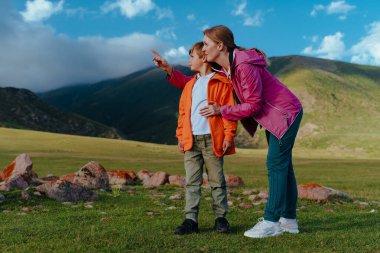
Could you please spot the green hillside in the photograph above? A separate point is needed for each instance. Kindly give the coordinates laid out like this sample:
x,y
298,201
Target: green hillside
x,y
20,108
341,104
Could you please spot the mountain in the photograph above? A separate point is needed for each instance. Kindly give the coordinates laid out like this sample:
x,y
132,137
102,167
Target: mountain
x,y
20,108
340,100
141,105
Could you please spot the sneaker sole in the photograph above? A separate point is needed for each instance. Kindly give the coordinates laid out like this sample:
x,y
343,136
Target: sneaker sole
x,y
264,236
291,230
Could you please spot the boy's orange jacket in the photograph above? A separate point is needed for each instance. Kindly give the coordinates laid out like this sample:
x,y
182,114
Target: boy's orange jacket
x,y
219,90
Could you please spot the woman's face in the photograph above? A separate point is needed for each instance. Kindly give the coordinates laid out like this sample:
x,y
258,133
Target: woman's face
x,y
210,49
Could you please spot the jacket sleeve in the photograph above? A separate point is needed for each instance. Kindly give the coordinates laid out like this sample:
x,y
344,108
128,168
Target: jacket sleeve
x,y
181,116
248,78
178,79
230,126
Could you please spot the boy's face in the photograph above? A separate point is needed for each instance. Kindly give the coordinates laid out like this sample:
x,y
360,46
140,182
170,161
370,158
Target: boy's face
x,y
195,62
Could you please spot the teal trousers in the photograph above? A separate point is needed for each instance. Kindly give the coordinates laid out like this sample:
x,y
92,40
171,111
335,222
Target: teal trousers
x,y
282,200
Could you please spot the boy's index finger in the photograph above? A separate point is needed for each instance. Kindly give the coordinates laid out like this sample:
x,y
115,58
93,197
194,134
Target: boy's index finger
x,y
155,53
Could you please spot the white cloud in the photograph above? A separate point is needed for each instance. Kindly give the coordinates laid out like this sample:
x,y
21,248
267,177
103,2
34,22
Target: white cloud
x,y
367,51
39,10
177,55
190,17
249,20
133,8
204,27
129,8
164,13
35,57
335,7
166,33
332,47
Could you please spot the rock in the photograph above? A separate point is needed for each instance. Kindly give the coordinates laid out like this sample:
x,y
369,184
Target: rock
x,y
68,178
253,197
233,181
21,166
25,196
38,194
158,178
263,195
179,181
120,177
65,191
250,192
25,209
47,179
261,201
144,174
321,193
245,205
177,196
16,181
92,176
230,203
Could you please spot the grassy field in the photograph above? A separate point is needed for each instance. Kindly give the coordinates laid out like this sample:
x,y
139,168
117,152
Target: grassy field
x,y
142,220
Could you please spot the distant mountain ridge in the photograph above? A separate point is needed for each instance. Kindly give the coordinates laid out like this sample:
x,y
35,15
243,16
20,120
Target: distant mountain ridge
x,y
341,103
21,108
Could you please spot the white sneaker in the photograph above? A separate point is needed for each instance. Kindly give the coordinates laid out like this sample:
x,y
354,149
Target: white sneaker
x,y
263,229
289,225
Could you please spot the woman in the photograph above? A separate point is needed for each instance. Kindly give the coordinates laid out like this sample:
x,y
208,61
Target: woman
x,y
261,99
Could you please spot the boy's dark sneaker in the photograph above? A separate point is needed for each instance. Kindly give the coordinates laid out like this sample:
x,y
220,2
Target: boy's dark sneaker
x,y
222,225
188,226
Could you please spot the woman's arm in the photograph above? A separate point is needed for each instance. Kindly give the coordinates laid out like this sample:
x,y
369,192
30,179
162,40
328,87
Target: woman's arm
x,y
248,77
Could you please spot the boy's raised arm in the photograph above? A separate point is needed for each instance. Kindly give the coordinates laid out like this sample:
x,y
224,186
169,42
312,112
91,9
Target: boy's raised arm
x,y
174,77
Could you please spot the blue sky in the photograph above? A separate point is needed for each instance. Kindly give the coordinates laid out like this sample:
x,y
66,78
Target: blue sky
x,y
47,44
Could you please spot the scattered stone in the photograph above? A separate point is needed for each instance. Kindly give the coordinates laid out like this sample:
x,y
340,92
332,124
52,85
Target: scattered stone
x,y
179,181
16,181
361,203
253,197
25,196
89,206
260,202
158,178
321,193
38,194
372,211
25,209
177,196
144,174
21,166
152,213
263,195
250,192
120,177
65,191
106,219
208,198
68,178
171,208
92,176
230,203
234,181
245,205
47,179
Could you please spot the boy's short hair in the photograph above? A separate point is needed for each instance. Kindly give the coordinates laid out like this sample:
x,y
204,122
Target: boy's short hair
x,y
197,48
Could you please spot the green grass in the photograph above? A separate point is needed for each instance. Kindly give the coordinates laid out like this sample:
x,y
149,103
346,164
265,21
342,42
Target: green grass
x,y
52,226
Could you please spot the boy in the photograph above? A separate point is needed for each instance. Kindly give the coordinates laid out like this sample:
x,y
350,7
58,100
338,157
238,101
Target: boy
x,y
204,140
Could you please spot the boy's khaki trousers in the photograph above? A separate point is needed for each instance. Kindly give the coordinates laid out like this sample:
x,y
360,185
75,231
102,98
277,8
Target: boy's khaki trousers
x,y
200,154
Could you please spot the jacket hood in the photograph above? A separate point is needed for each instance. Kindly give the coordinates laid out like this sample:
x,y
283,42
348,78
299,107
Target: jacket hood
x,y
250,56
